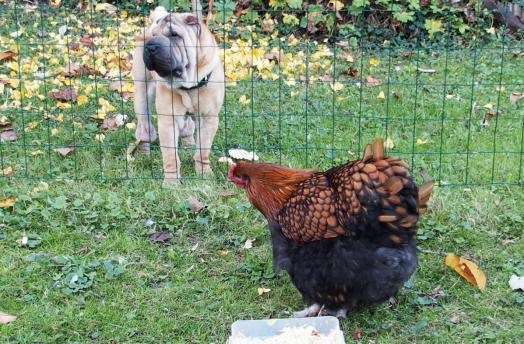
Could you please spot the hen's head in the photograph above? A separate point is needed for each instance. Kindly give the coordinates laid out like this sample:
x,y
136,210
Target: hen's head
x,y
268,186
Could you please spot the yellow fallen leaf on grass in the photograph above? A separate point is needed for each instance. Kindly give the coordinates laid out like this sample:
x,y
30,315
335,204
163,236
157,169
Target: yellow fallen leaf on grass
x,y
489,106
421,142
244,100
6,318
263,291
374,61
6,172
7,202
389,144
249,244
81,100
381,95
467,269
337,86
100,137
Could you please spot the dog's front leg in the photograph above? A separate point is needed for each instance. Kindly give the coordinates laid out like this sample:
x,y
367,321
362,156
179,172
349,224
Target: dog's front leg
x,y
206,128
171,114
144,95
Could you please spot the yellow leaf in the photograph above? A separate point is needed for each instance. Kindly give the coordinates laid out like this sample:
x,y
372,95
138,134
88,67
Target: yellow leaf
x,y
6,172
36,152
130,125
81,100
421,142
374,61
100,137
263,290
336,4
223,253
491,30
54,131
489,106
294,93
244,100
7,202
63,105
467,269
337,86
349,58
381,95
389,144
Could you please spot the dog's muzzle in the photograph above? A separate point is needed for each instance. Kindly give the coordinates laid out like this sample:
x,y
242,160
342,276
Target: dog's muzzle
x,y
158,57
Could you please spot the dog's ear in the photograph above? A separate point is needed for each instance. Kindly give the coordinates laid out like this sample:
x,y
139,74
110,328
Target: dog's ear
x,y
191,20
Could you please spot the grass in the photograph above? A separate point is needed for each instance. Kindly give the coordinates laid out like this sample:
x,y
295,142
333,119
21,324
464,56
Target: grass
x,y
190,290
92,275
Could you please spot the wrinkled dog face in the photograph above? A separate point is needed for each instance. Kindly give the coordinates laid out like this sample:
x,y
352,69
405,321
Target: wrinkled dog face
x,y
172,49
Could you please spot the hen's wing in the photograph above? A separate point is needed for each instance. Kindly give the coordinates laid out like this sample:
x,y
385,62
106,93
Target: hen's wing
x,y
373,196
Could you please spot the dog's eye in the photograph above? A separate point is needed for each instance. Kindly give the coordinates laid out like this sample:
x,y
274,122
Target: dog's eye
x,y
173,34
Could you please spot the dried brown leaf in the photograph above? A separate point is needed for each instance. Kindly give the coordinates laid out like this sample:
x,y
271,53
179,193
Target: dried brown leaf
x,y
161,237
8,134
86,40
352,72
273,56
371,81
7,55
66,94
65,151
227,193
195,205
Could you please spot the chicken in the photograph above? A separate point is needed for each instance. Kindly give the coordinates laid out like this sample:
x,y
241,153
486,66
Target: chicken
x,y
345,236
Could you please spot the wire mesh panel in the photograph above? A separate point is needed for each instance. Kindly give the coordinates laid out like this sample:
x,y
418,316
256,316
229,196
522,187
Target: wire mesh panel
x,y
305,87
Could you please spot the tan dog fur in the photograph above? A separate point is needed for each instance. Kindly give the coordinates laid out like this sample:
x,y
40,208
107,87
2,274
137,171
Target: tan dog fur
x,y
173,105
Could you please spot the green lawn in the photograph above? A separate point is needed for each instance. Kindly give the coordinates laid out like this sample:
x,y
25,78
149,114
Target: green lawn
x,y
89,273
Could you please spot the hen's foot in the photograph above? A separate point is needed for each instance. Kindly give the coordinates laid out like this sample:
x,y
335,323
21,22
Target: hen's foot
x,y
308,311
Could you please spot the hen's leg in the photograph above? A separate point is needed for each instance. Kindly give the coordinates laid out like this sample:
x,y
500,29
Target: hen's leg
x,y
308,311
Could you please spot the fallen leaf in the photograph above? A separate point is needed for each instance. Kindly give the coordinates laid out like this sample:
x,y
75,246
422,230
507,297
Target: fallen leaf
x,y
8,134
352,72
248,244
336,86
7,55
491,30
86,40
273,56
161,237
195,205
240,154
244,100
64,95
223,253
389,144
6,318
371,81
227,193
100,137
65,151
62,30
326,78
131,125
343,44
516,282
374,61
6,172
455,319
357,334
514,97
263,291
113,122
489,106
426,70
81,100
7,202
421,142
381,95
467,269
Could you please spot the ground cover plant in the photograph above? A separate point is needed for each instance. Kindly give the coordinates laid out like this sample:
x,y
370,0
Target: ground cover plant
x,y
93,249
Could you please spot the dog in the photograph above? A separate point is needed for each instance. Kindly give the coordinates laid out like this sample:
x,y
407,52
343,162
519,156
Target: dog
x,y
176,62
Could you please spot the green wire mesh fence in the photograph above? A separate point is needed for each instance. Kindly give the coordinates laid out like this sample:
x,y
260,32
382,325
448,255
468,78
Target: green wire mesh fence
x,y
307,88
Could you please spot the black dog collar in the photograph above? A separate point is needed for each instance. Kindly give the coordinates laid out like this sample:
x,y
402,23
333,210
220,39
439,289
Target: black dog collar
x,y
201,83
